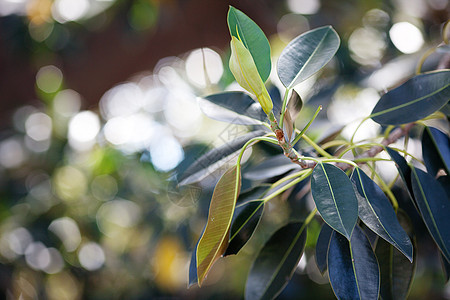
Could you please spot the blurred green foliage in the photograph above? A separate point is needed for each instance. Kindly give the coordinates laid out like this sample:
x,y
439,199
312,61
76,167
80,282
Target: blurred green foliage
x,y
88,207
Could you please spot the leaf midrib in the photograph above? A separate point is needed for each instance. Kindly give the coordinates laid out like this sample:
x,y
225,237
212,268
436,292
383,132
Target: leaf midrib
x,y
408,103
285,256
308,60
376,215
334,200
429,210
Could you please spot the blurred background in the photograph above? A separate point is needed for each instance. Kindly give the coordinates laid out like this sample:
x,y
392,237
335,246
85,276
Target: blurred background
x,y
98,108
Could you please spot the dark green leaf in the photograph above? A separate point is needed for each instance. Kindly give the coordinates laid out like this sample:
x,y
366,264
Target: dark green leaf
x,y
434,206
395,269
271,167
443,49
307,54
276,262
377,213
353,267
253,38
417,98
404,170
322,247
232,107
253,194
335,198
214,240
244,225
215,158
435,150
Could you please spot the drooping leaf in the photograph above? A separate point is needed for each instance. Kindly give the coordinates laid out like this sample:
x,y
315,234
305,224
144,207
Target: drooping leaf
x,y
214,240
293,108
271,167
294,105
353,267
232,107
215,158
307,54
244,71
322,244
396,270
244,225
415,99
253,38
405,172
376,212
276,262
335,198
434,206
435,150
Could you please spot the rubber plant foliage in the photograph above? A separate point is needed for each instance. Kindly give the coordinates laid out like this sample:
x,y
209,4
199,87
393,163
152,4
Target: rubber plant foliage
x,y
351,199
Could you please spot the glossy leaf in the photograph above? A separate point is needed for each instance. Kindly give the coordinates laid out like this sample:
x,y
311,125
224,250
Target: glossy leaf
x,y
214,240
417,98
215,158
335,198
435,150
276,262
232,107
253,38
244,225
352,267
323,241
271,167
434,207
404,170
307,54
396,270
244,71
376,212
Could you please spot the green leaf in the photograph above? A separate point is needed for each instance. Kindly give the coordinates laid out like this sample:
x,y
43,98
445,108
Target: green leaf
x,y
335,198
244,225
246,74
404,170
215,158
377,213
352,267
276,262
396,270
232,107
415,99
253,38
435,150
434,207
323,241
307,54
214,240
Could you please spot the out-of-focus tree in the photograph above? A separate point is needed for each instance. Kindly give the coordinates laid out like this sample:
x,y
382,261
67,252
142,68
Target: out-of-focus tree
x,y
98,107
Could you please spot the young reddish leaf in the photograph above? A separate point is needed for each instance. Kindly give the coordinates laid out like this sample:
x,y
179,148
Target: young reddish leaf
x,y
214,240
